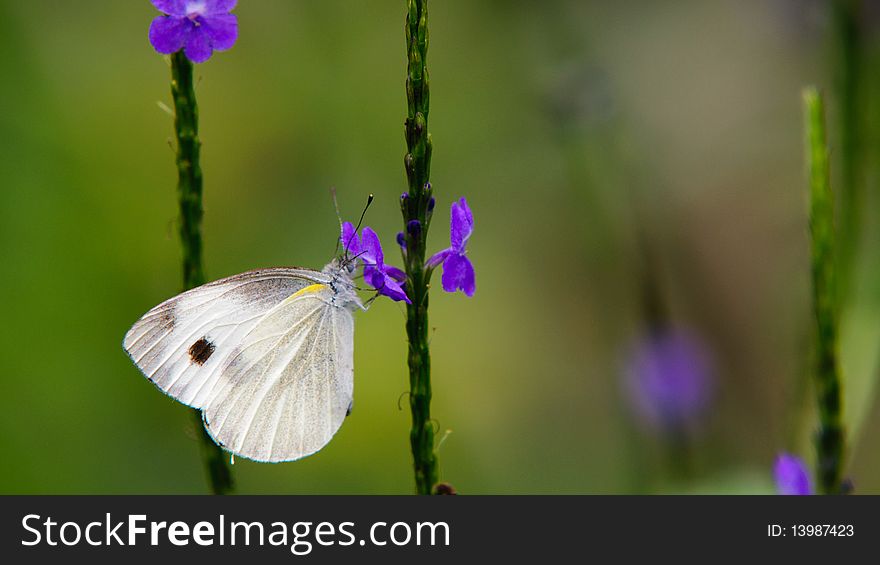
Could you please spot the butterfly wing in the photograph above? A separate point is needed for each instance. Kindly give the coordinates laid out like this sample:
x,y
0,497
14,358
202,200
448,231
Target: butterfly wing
x,y
182,344
266,355
286,391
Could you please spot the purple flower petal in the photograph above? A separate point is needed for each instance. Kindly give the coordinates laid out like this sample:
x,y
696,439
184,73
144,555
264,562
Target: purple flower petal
x,y
372,249
168,35
349,238
395,273
458,273
215,7
171,7
791,475
375,277
462,225
386,285
198,47
222,29
437,258
392,289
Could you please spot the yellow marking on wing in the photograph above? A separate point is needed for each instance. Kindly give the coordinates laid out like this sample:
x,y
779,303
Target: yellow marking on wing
x,y
311,289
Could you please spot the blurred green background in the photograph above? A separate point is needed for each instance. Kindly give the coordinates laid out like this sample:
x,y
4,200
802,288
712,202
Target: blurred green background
x,y
567,125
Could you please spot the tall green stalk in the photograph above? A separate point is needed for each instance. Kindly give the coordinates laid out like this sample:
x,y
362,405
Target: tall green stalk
x,y
830,440
416,206
849,81
189,189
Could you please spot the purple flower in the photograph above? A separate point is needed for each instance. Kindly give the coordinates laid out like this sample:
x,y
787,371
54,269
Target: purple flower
x,y
791,475
351,243
384,278
197,26
458,271
669,378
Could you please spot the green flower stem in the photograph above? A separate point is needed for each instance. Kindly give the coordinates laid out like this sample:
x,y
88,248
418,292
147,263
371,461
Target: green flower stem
x,y
847,64
415,207
830,440
189,188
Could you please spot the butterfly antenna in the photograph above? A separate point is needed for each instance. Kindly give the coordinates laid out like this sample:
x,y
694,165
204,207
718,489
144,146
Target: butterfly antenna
x,y
364,213
338,217
360,221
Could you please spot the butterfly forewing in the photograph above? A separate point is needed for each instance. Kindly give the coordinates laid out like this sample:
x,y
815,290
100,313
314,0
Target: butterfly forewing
x,y
180,343
267,356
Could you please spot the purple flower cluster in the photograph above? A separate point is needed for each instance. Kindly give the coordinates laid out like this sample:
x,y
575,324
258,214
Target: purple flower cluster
x,y
199,27
458,271
792,476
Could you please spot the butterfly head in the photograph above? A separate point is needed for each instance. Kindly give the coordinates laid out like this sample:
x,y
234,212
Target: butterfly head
x,y
341,267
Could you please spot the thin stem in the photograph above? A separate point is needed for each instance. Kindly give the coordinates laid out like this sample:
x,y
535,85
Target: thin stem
x,y
849,86
416,208
830,440
189,189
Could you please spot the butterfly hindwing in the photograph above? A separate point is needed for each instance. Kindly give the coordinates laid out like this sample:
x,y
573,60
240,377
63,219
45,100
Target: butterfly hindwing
x,y
286,390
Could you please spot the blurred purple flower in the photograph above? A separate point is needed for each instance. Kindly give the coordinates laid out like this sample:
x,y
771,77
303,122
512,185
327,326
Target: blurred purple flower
x,y
458,271
199,27
669,379
792,476
384,278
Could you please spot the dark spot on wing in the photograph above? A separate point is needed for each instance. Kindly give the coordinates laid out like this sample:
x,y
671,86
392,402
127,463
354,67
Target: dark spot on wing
x,y
348,412
200,351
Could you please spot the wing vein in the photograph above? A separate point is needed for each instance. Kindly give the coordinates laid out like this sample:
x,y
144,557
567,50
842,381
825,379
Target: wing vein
x,y
273,379
272,350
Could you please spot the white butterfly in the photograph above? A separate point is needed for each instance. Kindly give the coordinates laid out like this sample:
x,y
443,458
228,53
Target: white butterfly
x,y
267,356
